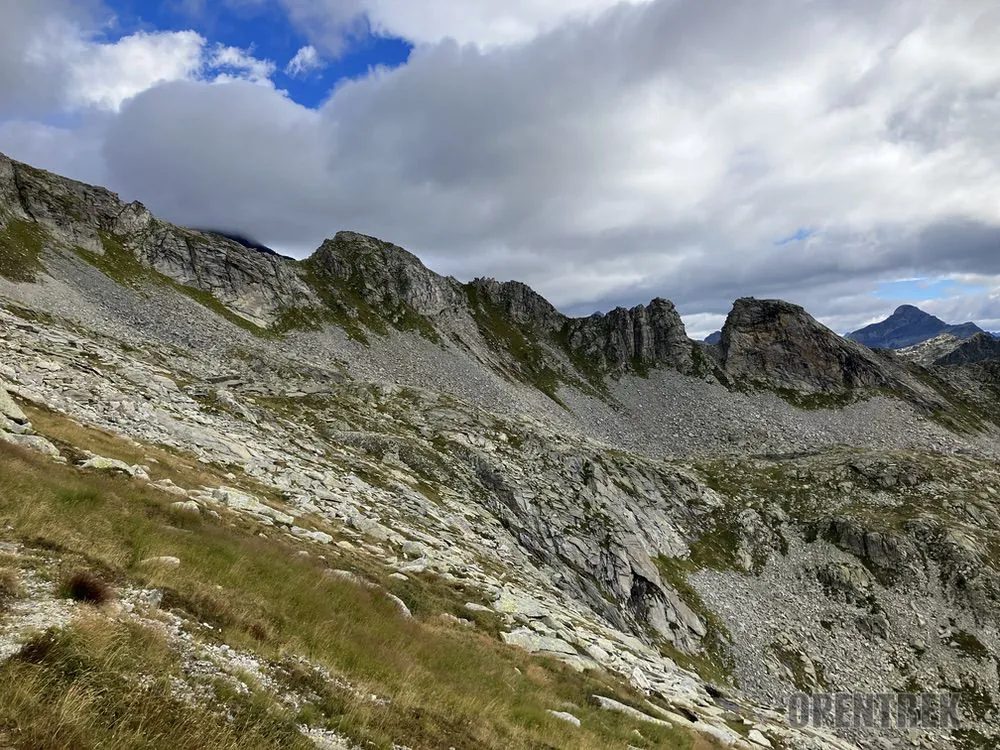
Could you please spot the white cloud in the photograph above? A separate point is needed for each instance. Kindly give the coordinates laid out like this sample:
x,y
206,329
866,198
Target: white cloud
x,y
307,60
105,75
233,63
53,57
486,23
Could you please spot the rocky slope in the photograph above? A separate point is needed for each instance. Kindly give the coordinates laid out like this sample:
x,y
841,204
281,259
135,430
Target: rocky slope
x,y
948,350
714,526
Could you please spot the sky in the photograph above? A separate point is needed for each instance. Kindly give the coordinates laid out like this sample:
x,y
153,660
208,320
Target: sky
x,y
840,154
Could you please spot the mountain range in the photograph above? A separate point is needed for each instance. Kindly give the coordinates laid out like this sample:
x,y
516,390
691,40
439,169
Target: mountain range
x,y
346,502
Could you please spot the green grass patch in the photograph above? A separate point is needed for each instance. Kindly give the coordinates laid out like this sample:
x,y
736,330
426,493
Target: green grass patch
x,y
21,244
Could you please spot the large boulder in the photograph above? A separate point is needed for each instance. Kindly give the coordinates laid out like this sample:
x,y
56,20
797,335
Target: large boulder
x,y
9,409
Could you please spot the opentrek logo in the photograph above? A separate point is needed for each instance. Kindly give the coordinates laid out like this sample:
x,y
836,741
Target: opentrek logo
x,y
874,710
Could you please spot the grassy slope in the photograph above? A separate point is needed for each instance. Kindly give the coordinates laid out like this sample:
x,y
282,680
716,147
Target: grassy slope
x,y
447,686
20,247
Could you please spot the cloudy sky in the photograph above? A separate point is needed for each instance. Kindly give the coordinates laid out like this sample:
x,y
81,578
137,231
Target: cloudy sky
x,y
842,154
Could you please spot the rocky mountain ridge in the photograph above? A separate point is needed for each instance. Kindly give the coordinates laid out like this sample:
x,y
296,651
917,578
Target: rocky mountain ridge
x,y
716,526
947,349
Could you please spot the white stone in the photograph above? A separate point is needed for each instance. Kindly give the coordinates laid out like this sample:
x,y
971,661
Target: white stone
x,y
567,717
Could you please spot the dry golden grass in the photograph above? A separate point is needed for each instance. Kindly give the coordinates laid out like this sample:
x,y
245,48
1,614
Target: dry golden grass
x,y
10,585
446,687
103,684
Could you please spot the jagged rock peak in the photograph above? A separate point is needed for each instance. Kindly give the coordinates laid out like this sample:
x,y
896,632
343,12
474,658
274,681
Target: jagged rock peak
x,y
519,302
352,247
385,274
780,344
635,338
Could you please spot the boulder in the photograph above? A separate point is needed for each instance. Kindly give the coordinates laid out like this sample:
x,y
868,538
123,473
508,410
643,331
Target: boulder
x,y
10,409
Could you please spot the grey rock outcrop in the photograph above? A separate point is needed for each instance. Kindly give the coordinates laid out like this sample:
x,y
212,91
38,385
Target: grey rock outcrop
x,y
642,337
9,409
981,347
519,303
780,344
623,340
385,275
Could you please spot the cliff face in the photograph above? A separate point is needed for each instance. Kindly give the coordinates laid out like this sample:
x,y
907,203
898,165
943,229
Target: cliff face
x,y
519,303
782,345
621,341
642,337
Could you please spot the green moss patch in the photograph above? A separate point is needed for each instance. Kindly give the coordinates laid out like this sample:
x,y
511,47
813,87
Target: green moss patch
x,y
20,250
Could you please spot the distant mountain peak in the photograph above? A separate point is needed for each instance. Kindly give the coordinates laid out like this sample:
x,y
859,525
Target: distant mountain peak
x,y
911,311
908,326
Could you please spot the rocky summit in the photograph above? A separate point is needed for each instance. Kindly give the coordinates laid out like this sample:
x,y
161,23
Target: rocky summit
x,y
347,502
909,326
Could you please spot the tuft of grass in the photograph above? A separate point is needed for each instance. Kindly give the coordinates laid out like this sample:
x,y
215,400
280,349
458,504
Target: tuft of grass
x,y
20,250
10,585
86,586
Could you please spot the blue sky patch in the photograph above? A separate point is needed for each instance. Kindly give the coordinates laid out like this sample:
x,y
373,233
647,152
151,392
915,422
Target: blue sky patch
x,y
800,235
907,290
267,32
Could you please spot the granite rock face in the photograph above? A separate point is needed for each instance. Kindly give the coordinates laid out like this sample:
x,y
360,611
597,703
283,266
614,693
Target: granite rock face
x,y
519,303
635,339
623,340
386,275
982,347
780,344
